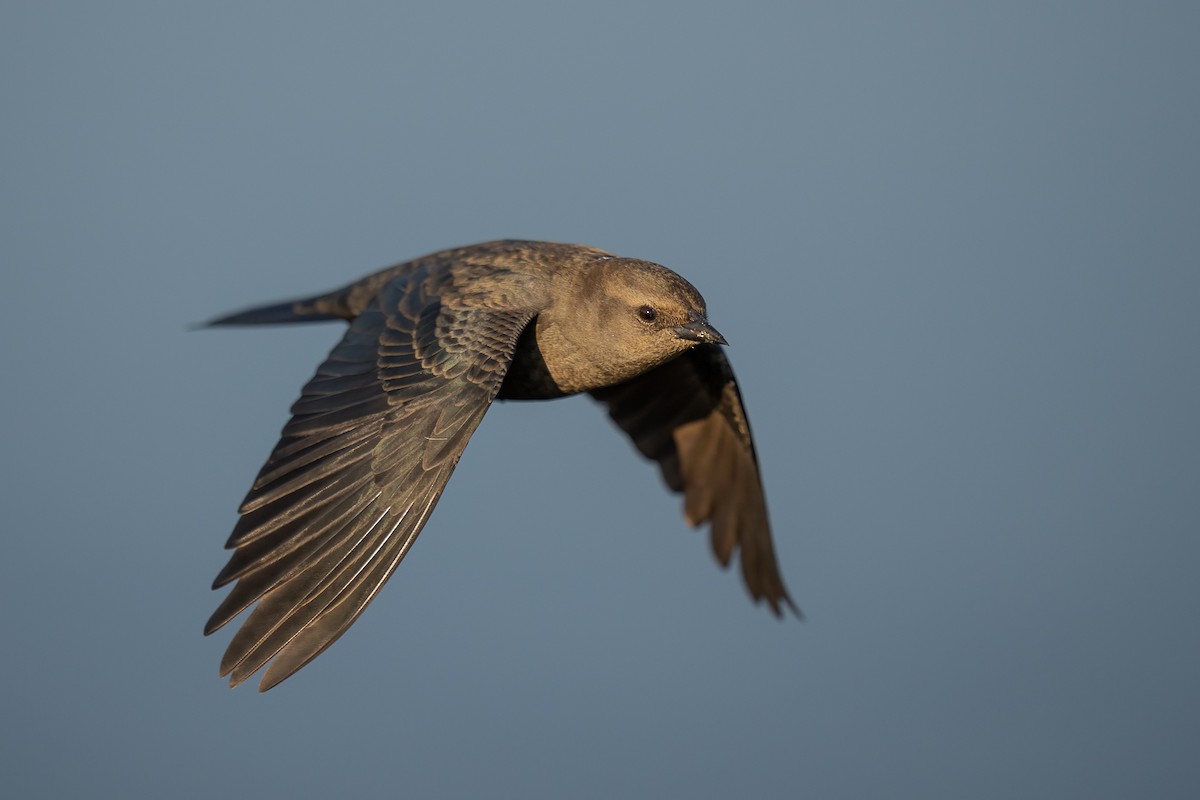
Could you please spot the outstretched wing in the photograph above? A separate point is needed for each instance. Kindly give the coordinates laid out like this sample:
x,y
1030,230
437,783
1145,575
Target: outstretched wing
x,y
687,415
371,444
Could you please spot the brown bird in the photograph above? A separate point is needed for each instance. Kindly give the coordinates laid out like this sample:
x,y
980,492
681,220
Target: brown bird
x,y
378,430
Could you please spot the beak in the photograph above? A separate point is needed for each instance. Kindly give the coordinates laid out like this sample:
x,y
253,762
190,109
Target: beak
x,y
698,330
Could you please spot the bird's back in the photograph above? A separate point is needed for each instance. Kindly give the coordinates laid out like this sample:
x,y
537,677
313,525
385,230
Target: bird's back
x,y
349,301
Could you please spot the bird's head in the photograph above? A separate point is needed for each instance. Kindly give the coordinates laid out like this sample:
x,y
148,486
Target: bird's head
x,y
623,316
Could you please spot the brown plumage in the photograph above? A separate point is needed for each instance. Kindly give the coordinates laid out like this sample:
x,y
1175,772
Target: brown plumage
x,y
378,430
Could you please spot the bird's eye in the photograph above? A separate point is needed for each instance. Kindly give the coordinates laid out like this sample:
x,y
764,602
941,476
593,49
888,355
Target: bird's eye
x,y
647,314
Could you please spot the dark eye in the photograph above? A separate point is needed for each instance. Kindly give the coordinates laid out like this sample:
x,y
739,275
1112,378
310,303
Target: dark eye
x,y
647,314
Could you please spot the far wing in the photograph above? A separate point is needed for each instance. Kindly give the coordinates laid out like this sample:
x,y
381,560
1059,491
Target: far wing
x,y
371,444
687,415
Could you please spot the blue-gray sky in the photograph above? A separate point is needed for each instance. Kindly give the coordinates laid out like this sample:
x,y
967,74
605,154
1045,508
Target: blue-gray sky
x,y
956,250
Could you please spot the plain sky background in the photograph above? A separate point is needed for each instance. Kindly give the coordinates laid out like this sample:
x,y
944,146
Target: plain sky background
x,y
955,247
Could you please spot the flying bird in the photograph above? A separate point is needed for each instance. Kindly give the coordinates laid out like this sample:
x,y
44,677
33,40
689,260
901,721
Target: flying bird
x,y
431,343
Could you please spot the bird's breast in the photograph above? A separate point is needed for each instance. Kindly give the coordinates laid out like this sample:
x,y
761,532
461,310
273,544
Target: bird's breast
x,y
528,377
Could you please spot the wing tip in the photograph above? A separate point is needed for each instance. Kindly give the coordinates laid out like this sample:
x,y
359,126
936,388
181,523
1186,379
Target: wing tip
x,y
791,606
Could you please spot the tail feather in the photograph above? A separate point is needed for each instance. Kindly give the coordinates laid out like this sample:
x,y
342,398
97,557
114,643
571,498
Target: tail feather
x,y
292,311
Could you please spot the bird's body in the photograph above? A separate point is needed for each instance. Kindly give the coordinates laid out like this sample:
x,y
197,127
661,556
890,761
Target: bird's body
x,y
378,431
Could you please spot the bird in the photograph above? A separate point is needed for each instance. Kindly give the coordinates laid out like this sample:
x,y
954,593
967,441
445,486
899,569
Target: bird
x,y
431,343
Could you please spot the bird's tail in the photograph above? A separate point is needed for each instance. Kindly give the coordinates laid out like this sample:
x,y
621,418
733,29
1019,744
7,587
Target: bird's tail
x,y
313,309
